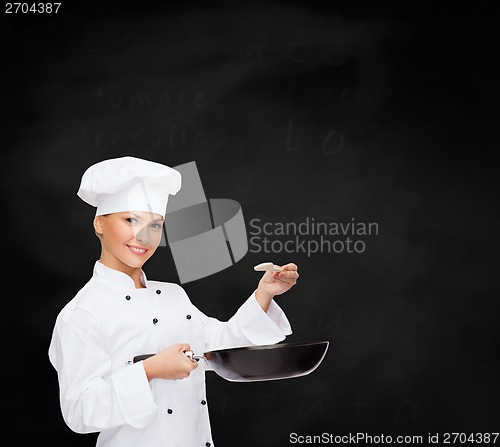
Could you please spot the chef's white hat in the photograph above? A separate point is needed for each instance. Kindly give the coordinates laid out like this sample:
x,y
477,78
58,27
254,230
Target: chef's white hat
x,y
129,184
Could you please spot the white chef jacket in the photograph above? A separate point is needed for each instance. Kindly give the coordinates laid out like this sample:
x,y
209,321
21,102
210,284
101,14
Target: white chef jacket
x,y
107,323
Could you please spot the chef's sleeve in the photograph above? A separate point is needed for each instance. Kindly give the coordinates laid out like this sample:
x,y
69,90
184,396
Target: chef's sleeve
x,y
92,399
250,325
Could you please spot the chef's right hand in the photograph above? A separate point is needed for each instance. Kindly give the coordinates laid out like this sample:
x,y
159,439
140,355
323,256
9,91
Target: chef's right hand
x,y
171,363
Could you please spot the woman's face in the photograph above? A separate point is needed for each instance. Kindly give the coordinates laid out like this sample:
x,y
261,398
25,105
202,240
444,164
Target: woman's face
x,y
129,238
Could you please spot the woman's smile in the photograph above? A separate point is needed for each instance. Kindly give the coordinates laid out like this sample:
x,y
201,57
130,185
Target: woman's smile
x,y
137,250
128,239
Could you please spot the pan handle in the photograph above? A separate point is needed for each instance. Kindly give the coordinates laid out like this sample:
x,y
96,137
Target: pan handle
x,y
139,358
194,357
189,354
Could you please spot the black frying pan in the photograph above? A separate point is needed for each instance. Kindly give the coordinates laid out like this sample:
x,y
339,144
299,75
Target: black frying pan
x,y
263,362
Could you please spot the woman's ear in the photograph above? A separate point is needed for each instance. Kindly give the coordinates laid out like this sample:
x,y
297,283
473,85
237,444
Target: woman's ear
x,y
98,225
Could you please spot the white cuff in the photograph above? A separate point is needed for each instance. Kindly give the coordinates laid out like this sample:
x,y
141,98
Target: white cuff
x,y
262,328
134,396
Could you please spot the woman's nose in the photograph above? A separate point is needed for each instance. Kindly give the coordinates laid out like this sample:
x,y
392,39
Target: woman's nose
x,y
142,235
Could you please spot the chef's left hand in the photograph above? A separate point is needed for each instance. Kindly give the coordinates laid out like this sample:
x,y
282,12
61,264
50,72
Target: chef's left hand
x,y
276,283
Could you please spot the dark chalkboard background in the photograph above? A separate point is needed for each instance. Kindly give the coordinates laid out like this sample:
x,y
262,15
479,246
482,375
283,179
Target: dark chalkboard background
x,y
296,111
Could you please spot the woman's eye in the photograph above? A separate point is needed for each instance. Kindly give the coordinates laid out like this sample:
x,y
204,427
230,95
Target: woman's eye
x,y
156,226
131,220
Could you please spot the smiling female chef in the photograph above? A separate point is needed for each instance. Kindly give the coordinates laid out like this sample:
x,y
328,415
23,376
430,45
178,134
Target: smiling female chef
x,y
119,314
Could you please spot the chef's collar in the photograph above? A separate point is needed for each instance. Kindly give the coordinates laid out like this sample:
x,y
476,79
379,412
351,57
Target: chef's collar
x,y
116,277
